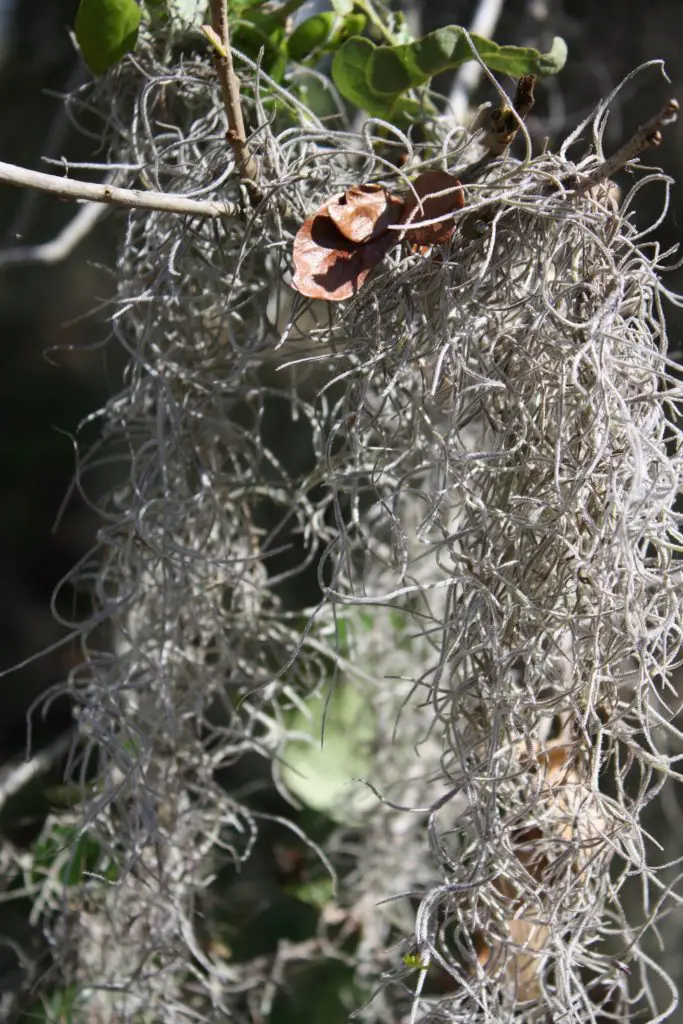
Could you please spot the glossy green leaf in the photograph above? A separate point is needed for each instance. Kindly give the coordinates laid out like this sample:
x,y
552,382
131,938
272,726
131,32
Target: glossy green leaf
x,y
352,25
321,776
105,31
255,32
349,74
522,60
373,77
392,69
311,34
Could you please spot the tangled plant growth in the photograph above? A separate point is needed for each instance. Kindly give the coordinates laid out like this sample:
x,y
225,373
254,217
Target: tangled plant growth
x,y
430,527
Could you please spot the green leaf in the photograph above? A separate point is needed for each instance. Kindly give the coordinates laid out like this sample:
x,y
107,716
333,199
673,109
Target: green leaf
x,y
414,959
310,35
522,60
256,31
552,62
105,31
322,776
84,854
436,52
62,1004
349,74
318,893
343,7
373,77
352,25
393,69
387,74
238,7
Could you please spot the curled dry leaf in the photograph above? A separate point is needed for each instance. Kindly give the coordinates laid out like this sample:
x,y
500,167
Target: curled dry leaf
x,y
433,194
364,212
330,266
336,248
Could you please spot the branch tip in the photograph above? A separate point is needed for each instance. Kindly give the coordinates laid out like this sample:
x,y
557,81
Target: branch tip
x,y
648,134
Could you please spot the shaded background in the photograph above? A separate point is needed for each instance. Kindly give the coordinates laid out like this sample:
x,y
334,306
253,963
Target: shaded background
x,y
56,366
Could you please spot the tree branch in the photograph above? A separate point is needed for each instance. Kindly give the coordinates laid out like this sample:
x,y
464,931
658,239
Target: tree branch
x,y
504,124
219,37
67,188
649,134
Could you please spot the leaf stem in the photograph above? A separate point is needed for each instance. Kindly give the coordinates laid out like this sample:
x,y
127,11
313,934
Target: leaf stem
x,y
367,8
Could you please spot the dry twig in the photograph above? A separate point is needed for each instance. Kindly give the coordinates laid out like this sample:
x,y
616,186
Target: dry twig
x,y
67,188
219,37
504,124
648,134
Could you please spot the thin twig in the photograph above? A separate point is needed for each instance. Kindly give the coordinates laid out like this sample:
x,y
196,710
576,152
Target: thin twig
x,y
505,121
649,134
67,188
219,37
504,124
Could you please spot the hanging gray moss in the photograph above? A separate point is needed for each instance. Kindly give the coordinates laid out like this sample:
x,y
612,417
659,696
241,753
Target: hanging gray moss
x,y
486,509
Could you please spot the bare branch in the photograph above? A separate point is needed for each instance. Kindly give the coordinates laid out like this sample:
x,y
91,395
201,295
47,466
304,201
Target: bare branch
x,y
219,37
67,188
649,134
505,121
504,124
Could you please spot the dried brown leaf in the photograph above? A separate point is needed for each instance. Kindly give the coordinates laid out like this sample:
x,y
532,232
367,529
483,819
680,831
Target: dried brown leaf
x,y
337,247
425,203
365,211
330,266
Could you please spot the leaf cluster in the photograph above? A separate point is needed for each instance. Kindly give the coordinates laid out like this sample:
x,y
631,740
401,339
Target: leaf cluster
x,y
375,78
378,78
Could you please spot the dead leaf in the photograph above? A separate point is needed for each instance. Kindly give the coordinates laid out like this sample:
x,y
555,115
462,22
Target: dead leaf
x,y
330,266
424,203
365,211
337,247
